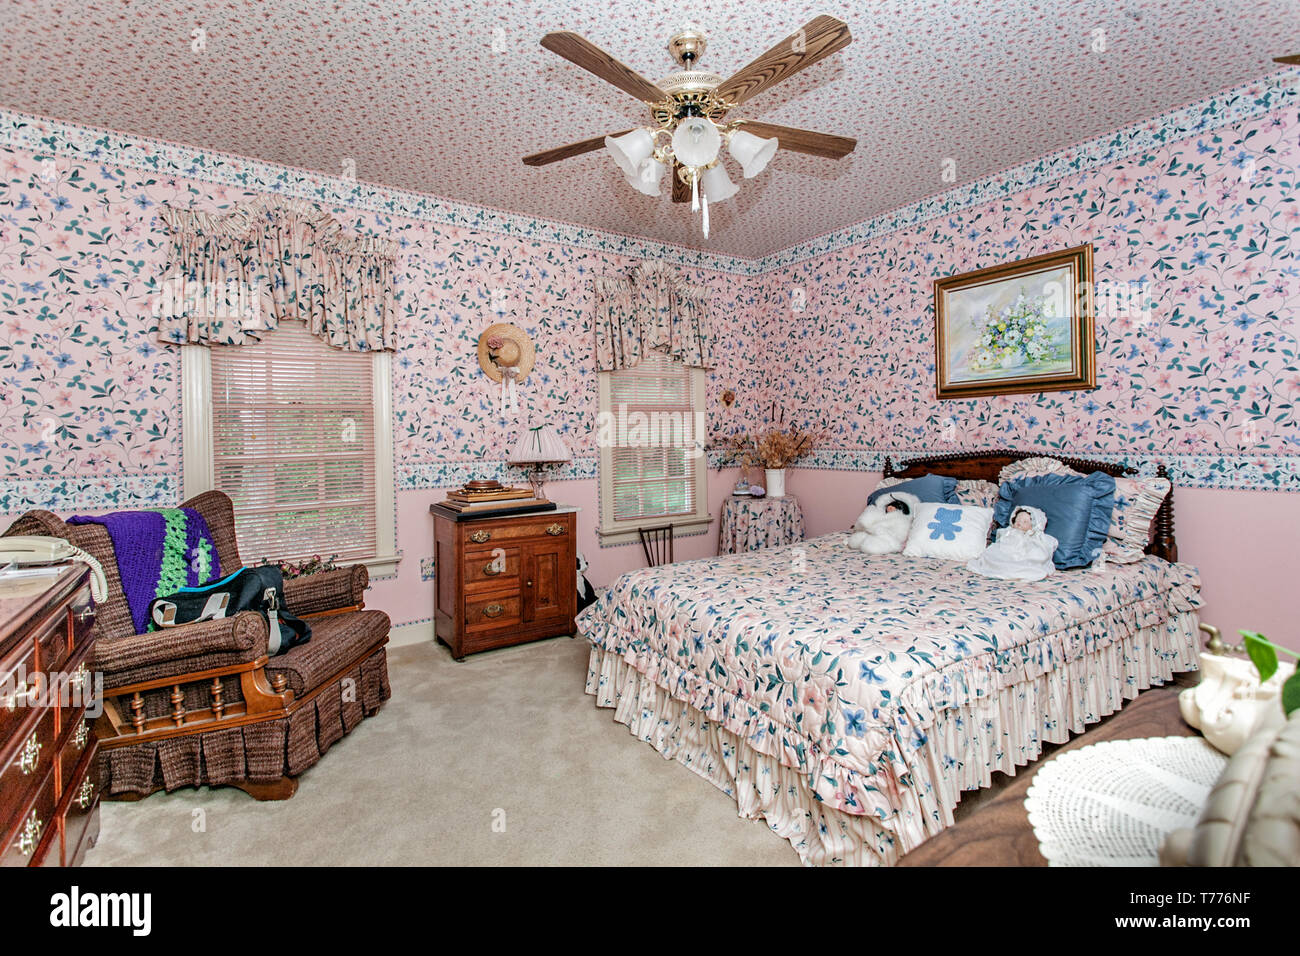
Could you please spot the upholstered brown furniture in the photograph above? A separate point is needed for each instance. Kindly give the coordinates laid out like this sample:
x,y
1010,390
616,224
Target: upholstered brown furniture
x,y
202,704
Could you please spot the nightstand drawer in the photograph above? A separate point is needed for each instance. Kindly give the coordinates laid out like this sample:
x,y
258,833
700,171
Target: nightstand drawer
x,y
497,610
495,568
488,533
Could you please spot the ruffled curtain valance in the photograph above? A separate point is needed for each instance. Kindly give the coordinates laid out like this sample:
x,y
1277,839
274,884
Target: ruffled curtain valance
x,y
651,308
233,276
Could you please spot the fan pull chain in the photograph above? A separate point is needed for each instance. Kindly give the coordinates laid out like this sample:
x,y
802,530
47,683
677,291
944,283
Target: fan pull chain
x,y
695,192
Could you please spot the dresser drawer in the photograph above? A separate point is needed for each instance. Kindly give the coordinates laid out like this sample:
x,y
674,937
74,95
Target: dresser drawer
x,y
83,618
495,568
483,532
52,647
81,800
31,755
79,733
35,829
486,612
19,686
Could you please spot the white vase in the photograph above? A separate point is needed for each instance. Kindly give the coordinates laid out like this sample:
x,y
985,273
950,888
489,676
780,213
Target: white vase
x,y
775,482
1014,360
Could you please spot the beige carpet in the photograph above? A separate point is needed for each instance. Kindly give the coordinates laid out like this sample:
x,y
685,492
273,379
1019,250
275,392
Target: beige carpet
x,y
419,783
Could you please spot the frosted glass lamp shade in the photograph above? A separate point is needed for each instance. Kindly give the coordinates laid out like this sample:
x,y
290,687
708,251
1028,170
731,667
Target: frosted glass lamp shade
x,y
696,141
752,152
540,444
630,150
718,186
647,176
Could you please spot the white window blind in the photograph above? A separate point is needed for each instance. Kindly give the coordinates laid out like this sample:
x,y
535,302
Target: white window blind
x,y
653,461
293,445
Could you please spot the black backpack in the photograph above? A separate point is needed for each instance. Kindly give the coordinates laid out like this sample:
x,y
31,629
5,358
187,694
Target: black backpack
x,y
258,589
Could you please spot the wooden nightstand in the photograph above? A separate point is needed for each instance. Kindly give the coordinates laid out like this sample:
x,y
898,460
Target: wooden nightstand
x,y
504,581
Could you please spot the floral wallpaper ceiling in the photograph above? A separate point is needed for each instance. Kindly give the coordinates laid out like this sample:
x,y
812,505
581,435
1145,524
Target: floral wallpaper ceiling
x,y
446,98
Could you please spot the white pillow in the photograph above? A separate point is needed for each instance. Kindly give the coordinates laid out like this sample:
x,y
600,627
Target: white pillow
x,y
952,532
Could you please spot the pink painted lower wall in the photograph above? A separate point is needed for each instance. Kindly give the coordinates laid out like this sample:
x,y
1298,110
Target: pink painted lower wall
x,y
1243,542
407,598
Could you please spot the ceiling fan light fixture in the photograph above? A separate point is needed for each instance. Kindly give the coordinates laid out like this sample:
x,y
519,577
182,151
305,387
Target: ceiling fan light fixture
x,y
717,185
646,179
696,141
631,150
752,152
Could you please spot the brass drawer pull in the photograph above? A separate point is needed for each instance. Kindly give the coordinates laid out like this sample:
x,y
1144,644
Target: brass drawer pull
x,y
493,610
478,537
556,528
86,794
83,734
86,615
31,755
492,569
30,835
79,677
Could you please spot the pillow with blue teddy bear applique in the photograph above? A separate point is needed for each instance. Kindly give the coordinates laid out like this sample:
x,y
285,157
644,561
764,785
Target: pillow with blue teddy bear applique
x,y
951,532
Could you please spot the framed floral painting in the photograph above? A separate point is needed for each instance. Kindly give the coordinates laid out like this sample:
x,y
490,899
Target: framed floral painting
x,y
1024,326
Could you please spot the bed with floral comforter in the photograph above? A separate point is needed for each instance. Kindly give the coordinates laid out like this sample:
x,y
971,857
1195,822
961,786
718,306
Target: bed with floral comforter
x,y
848,700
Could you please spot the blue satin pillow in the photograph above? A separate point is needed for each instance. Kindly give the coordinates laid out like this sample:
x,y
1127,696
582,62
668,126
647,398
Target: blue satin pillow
x,y
937,488
1078,509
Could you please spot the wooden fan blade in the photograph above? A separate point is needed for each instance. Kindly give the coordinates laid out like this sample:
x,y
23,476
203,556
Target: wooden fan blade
x,y
803,140
818,39
568,152
1292,60
681,190
593,59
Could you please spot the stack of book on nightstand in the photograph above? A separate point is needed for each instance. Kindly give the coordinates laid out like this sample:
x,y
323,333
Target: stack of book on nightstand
x,y
481,499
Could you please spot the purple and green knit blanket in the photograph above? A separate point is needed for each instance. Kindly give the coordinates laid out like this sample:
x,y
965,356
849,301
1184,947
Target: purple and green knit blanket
x,y
158,553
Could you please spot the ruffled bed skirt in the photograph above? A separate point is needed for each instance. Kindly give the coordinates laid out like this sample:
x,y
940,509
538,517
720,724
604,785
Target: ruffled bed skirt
x,y
257,753
966,742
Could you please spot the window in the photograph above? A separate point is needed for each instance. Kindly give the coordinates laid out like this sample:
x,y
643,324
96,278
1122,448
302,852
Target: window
x,y
652,463
298,434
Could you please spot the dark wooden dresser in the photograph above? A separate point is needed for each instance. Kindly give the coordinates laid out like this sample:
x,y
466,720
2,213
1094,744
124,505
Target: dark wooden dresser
x,y
503,581
49,797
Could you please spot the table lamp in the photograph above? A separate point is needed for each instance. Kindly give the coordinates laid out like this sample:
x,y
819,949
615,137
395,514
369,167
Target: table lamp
x,y
538,447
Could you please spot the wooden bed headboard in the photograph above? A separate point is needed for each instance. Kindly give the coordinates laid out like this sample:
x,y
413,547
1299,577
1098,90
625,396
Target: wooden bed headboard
x,y
985,465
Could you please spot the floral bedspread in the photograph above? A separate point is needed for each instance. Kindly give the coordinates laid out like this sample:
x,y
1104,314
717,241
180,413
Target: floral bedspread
x,y
835,662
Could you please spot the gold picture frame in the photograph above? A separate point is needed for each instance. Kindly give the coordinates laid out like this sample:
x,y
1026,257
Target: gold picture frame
x,y
1023,326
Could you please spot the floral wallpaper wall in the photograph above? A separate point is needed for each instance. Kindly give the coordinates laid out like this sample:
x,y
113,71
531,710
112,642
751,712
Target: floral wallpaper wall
x,y
90,402
1194,219
1197,266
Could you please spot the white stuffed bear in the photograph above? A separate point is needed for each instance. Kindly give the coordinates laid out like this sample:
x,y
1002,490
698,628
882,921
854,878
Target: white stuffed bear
x,y
883,526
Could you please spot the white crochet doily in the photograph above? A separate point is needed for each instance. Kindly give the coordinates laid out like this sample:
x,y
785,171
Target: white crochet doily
x,y
1113,803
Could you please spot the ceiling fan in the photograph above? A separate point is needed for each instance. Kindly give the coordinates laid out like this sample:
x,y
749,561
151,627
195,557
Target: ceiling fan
x,y
689,110
1292,60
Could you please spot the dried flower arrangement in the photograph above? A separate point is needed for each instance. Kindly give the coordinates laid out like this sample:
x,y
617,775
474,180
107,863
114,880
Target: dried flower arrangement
x,y
297,569
779,446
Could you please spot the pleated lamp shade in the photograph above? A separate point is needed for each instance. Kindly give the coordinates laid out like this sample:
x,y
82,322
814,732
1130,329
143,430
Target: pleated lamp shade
x,y
540,444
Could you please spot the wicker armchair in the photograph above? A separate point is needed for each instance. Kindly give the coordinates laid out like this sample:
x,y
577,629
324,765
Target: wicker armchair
x,y
202,704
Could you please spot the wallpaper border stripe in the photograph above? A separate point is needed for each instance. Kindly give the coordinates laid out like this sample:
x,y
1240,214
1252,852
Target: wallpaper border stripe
x,y
44,135
1265,472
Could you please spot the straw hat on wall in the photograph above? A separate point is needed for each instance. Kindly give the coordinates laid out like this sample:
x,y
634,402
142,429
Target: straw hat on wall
x,y
505,345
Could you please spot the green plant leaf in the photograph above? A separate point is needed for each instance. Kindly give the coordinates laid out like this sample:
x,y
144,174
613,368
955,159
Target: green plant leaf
x,y
1261,654
1291,693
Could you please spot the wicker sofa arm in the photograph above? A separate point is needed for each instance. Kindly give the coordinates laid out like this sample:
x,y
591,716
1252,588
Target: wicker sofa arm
x,y
324,591
175,652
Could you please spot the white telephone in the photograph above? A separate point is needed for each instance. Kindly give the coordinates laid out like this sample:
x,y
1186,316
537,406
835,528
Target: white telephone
x,y
37,549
